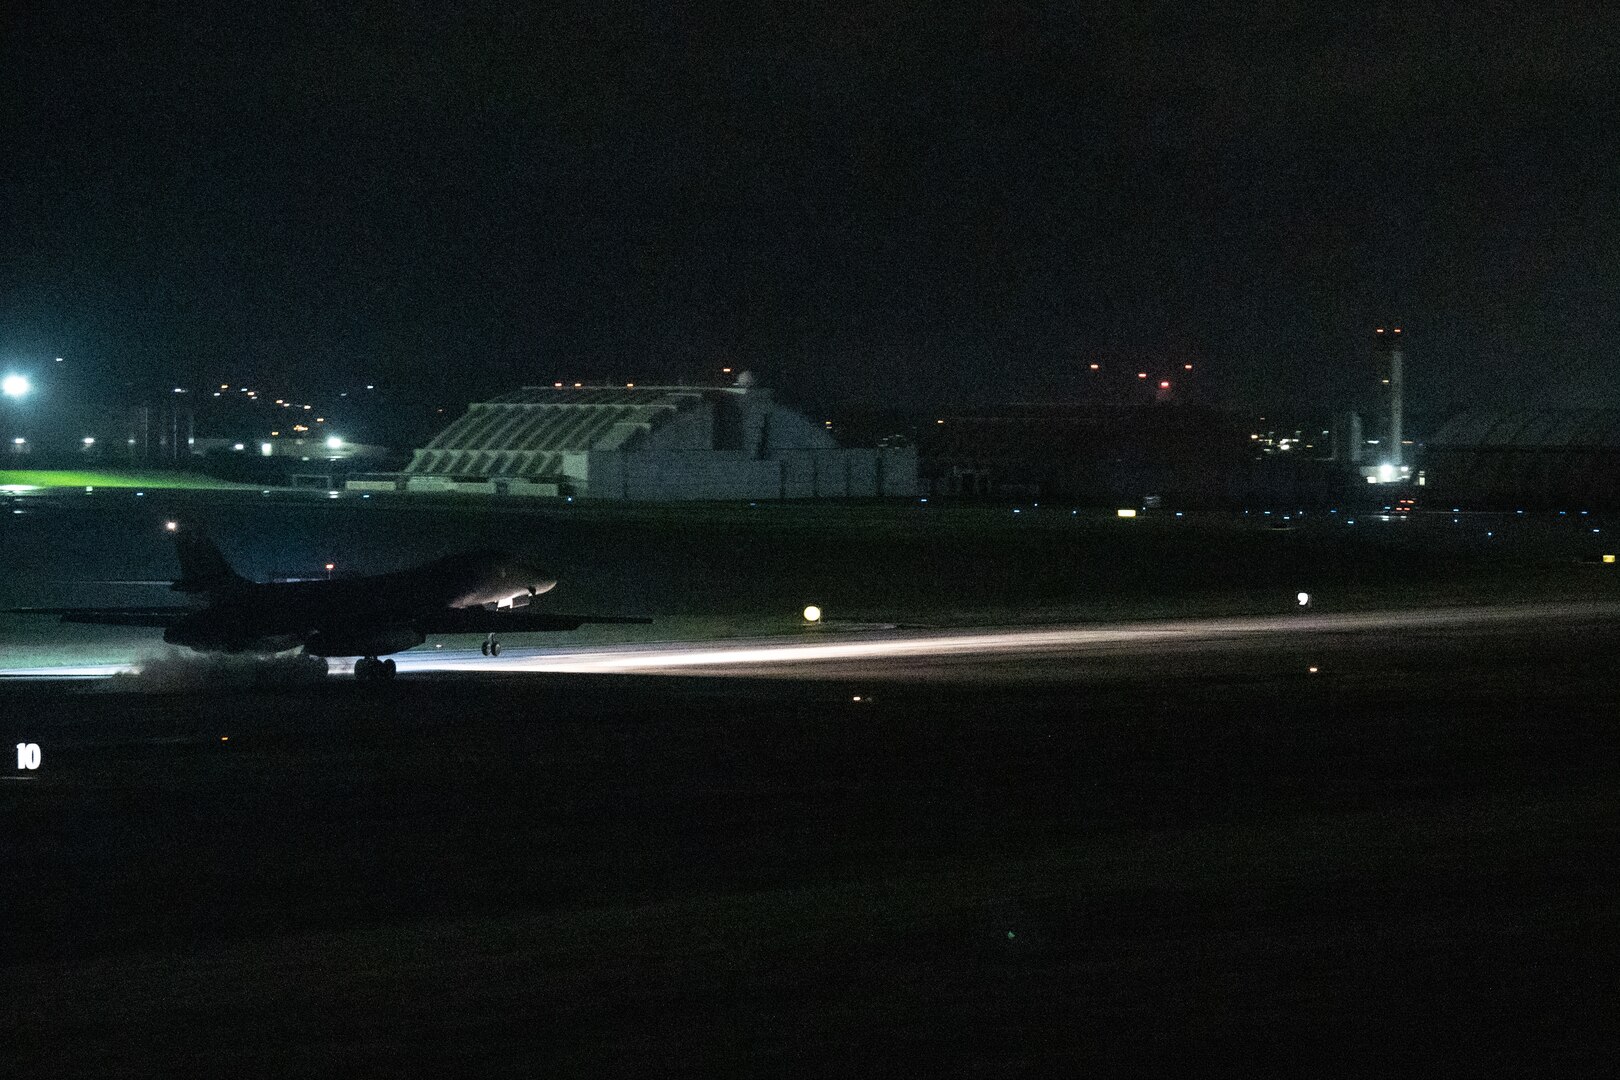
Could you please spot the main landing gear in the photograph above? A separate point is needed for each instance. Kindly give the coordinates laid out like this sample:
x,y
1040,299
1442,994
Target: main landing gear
x,y
490,647
371,669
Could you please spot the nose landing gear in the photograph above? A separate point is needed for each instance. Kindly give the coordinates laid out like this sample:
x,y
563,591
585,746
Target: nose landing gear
x,y
490,647
371,669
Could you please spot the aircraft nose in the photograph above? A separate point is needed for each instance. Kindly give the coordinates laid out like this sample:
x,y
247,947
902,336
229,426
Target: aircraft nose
x,y
545,585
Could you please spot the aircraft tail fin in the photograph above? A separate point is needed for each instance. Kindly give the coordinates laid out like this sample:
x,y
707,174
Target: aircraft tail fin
x,y
203,568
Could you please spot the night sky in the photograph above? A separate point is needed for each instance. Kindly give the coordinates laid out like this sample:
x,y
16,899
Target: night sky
x,y
895,202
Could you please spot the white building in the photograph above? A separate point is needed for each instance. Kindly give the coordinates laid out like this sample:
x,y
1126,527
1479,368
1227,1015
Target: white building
x,y
666,443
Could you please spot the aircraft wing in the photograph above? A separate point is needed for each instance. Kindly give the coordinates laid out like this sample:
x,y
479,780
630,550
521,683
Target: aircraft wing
x,y
120,616
484,621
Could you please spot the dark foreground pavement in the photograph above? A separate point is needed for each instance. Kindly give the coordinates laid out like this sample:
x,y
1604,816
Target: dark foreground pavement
x,y
1139,863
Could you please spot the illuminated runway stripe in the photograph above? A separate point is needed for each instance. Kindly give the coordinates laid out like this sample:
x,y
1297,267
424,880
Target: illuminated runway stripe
x,y
1031,641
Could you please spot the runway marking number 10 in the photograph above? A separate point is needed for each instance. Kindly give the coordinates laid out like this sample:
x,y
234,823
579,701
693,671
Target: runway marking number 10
x,y
28,755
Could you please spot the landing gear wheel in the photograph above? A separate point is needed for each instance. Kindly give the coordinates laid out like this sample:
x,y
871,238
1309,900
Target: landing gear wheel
x,y
490,647
484,648
494,648
371,669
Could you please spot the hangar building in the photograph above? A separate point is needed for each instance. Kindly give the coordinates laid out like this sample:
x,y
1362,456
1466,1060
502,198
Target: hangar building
x,y
1549,458
665,443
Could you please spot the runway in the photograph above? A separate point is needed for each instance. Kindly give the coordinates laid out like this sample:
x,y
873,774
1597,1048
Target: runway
x,y
911,653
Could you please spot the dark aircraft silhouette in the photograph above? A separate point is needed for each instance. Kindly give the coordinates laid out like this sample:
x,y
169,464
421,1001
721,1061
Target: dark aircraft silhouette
x,y
483,592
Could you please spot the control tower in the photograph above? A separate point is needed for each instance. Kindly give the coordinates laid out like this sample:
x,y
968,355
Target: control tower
x,y
1390,360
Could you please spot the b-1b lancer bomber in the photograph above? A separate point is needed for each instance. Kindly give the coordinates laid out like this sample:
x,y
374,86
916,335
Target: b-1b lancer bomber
x,y
482,592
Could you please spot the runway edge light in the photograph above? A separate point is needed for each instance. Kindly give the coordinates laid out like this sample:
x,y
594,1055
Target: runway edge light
x,y
812,614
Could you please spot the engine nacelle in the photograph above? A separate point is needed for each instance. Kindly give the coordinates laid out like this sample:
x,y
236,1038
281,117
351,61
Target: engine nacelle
x,y
211,632
377,642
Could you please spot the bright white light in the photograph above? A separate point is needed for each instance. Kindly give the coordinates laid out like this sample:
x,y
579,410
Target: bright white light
x,y
1386,472
1126,512
267,448
812,614
19,441
239,446
334,443
15,386
1304,599
89,440
172,526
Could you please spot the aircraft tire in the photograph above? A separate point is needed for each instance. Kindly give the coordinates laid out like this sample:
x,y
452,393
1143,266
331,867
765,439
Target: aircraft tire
x,y
484,648
386,668
494,648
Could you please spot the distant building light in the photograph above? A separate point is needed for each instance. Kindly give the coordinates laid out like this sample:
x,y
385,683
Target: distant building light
x,y
18,441
179,389
267,448
1164,384
239,446
1186,367
1141,374
1126,512
1608,559
89,440
1096,367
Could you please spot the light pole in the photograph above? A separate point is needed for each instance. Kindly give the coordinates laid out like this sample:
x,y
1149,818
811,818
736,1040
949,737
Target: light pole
x,y
16,386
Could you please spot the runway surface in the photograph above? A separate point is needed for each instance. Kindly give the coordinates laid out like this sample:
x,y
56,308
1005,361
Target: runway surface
x,y
912,653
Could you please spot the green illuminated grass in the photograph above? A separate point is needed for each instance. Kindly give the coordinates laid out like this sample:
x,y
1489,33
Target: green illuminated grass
x,y
111,478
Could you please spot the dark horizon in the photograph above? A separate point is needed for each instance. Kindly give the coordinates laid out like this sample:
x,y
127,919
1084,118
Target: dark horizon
x,y
858,205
